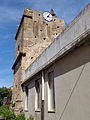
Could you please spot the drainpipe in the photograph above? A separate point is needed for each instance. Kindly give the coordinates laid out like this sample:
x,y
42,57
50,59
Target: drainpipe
x,y
42,103
42,85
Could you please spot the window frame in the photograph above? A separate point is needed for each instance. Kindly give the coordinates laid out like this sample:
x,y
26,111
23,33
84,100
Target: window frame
x,y
38,100
26,98
50,110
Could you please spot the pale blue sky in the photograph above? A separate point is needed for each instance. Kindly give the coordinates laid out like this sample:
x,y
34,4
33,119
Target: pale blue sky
x,y
10,14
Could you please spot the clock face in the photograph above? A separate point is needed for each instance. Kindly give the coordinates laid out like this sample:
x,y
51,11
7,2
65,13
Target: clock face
x,y
47,16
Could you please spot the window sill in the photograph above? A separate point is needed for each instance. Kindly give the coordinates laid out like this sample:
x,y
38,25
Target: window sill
x,y
51,111
38,110
25,110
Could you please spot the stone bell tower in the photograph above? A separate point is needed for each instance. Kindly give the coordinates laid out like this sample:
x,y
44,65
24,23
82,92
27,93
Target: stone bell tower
x,y
35,33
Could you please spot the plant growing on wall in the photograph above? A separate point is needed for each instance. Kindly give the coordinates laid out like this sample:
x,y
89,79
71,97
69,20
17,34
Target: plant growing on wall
x,y
20,117
31,118
5,92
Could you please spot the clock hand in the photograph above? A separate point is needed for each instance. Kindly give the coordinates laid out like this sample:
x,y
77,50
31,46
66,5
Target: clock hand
x,y
48,15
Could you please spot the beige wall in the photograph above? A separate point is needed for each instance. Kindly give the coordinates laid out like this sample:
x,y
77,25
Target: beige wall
x,y
72,87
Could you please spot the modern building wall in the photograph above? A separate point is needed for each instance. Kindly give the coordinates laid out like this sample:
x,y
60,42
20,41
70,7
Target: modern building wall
x,y
72,87
71,80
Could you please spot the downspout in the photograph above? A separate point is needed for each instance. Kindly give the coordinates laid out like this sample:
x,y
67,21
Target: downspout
x,y
42,85
42,103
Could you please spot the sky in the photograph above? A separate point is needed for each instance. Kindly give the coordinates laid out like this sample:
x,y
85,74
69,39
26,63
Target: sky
x,y
10,14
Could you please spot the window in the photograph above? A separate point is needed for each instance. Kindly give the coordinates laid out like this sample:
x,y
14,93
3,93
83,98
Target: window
x,y
26,98
18,47
51,93
37,95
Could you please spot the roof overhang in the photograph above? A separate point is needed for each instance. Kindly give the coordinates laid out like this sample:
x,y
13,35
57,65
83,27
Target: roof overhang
x,y
17,59
21,24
